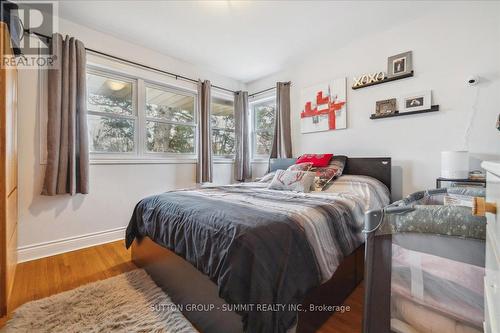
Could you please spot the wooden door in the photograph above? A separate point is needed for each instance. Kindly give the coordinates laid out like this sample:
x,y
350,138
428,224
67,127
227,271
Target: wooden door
x,y
8,173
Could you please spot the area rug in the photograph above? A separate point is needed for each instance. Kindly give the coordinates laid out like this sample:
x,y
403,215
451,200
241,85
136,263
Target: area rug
x,y
130,302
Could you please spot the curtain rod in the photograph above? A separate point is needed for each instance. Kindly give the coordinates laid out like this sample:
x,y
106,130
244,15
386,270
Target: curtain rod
x,y
176,76
261,92
266,90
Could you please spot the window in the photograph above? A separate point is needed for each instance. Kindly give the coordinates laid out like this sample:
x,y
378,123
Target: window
x,y
264,113
170,121
111,114
222,122
132,118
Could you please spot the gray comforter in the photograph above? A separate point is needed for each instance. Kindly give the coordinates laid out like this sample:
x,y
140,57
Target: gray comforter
x,y
259,246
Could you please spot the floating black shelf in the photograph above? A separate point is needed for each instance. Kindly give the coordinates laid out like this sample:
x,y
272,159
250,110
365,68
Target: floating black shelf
x,y
387,79
433,108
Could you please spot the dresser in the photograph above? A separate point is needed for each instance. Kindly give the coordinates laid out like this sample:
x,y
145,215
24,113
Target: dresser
x,y
492,278
8,173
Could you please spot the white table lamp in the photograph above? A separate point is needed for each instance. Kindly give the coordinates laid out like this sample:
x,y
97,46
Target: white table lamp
x,y
455,164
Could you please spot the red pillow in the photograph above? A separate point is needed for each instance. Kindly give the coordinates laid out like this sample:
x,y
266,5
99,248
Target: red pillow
x,y
318,160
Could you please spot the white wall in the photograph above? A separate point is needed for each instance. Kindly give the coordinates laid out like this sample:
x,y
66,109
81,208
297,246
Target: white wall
x,y
48,225
448,44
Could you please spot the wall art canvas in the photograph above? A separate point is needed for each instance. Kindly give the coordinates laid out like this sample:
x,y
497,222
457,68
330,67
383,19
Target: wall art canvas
x,y
324,107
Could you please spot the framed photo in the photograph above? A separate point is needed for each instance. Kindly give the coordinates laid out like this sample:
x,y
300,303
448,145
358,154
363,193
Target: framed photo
x,y
385,107
399,64
416,102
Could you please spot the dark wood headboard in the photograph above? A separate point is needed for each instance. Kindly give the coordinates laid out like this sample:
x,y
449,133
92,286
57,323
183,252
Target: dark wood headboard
x,y
376,167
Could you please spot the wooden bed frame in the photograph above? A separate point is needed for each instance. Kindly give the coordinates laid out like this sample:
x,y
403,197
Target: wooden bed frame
x,y
186,285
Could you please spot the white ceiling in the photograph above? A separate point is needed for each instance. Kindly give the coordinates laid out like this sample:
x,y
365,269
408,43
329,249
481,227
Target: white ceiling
x,y
244,40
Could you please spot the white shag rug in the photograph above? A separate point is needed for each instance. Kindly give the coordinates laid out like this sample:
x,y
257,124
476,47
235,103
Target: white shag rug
x,y
130,302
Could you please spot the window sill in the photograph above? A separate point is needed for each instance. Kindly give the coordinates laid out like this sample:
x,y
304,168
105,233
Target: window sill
x,y
221,160
117,161
155,161
260,161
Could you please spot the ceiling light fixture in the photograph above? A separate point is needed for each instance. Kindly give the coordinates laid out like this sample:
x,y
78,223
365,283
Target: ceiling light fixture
x,y
115,86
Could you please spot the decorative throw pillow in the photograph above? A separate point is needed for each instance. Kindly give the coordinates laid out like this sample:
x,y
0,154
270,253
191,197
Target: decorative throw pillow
x,y
300,167
339,162
324,175
266,178
318,160
298,181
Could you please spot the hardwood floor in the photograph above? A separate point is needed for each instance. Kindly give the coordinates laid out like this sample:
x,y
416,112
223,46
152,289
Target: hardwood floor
x,y
47,276
349,321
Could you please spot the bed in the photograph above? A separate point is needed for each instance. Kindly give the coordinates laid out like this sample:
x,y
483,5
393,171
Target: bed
x,y
243,258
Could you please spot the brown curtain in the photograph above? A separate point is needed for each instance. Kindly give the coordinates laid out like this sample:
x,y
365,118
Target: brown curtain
x,y
67,137
242,166
282,142
204,170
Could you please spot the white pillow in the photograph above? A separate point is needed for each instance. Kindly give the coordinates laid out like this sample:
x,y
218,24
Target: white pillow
x,y
266,178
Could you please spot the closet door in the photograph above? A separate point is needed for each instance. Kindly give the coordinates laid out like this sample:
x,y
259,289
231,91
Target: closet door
x,y
8,172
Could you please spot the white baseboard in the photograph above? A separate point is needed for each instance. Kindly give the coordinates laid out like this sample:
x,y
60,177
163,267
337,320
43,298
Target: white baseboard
x,y
47,249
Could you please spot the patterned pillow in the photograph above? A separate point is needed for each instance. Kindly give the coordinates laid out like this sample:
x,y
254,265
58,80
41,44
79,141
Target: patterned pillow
x,y
266,178
339,161
300,167
324,175
298,181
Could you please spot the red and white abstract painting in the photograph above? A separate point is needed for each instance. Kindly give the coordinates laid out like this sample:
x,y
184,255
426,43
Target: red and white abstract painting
x,y
324,107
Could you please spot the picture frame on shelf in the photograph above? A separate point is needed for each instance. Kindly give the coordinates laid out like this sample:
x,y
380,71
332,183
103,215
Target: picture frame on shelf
x,y
400,64
416,101
386,107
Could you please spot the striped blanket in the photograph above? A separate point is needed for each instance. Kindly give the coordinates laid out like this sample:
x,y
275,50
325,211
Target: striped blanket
x,y
259,246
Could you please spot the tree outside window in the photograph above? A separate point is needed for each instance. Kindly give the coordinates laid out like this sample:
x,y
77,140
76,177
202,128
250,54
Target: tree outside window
x,y
222,123
111,114
264,114
168,123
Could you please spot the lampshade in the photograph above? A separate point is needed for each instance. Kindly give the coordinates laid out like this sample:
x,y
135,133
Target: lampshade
x,y
455,164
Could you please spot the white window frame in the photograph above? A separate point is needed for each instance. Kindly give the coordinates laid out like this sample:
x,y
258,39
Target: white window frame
x,y
140,154
194,124
253,132
135,114
227,97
